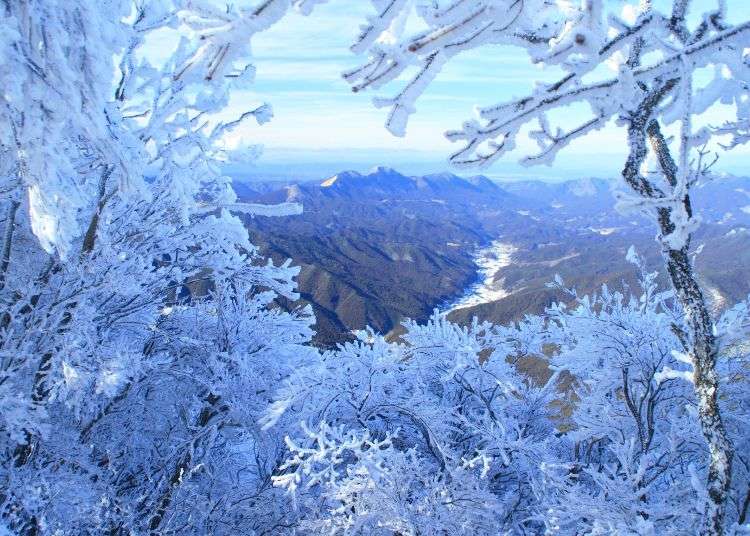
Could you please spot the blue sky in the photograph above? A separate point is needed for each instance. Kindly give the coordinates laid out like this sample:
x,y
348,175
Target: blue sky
x,y
320,126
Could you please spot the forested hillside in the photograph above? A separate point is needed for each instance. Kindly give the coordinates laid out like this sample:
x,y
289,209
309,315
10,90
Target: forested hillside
x,y
379,248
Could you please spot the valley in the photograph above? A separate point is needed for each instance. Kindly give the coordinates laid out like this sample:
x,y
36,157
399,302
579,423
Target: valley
x,y
380,247
489,287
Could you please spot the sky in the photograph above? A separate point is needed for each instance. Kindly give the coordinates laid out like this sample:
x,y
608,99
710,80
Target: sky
x,y
321,127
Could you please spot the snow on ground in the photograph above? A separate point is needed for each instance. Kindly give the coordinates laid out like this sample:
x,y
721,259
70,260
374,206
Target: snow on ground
x,y
554,262
604,231
716,299
727,217
489,261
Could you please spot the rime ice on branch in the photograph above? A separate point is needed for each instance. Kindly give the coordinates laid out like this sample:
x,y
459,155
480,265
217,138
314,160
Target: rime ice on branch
x,y
135,315
635,67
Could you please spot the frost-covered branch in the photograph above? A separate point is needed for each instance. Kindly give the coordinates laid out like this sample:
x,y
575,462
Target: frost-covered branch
x,y
652,54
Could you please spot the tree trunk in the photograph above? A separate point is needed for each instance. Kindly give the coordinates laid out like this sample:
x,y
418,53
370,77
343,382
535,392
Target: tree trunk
x,y
182,468
700,342
703,353
10,223
703,350
89,239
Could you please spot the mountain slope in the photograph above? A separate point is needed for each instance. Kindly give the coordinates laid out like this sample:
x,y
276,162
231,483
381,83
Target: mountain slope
x,y
376,248
379,247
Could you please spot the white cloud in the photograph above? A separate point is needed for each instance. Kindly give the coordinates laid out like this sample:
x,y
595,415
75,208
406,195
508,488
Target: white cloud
x,y
299,62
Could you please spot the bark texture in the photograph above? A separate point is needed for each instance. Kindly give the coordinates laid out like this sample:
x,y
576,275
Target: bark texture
x,y
700,341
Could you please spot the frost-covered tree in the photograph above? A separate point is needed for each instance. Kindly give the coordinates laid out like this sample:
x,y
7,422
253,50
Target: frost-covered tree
x,y
442,432
200,463
637,444
639,452
139,342
151,385
437,434
637,63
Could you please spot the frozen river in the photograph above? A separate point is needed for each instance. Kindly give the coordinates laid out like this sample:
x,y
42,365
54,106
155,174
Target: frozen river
x,y
489,260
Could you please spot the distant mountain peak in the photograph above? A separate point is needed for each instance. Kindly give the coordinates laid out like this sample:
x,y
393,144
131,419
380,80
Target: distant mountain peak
x,y
384,170
383,182
338,177
293,192
478,180
587,186
443,176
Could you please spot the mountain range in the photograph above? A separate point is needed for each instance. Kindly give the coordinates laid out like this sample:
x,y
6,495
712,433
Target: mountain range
x,y
378,247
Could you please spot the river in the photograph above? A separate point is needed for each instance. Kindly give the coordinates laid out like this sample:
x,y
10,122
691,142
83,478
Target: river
x,y
489,260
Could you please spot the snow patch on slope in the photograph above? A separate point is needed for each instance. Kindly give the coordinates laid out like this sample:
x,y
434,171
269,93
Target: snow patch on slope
x,y
604,231
583,188
716,299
